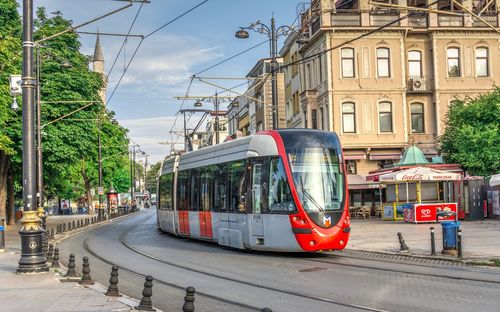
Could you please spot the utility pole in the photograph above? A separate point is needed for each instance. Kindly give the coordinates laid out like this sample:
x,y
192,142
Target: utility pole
x,y
216,106
99,161
39,155
274,70
32,258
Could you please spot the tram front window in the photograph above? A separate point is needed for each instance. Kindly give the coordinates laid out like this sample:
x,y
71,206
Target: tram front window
x,y
317,177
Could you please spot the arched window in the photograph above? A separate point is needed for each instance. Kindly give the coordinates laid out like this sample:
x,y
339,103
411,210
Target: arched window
x,y
385,116
453,55
482,69
417,117
383,63
347,56
348,118
415,64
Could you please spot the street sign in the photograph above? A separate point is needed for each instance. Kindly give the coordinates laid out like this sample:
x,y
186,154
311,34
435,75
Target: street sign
x,y
100,190
92,192
15,85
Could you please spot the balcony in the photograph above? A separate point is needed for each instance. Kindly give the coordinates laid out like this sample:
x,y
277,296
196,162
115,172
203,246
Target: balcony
x,y
383,18
450,20
490,18
346,18
418,20
308,94
417,84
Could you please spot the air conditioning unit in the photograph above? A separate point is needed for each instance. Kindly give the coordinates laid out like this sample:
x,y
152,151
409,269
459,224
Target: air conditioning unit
x,y
417,84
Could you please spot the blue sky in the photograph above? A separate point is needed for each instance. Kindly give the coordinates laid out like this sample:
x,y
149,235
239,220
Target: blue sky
x,y
161,69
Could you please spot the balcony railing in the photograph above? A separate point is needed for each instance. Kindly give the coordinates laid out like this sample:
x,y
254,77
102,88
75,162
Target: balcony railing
x,y
418,20
383,18
490,18
345,18
418,84
450,20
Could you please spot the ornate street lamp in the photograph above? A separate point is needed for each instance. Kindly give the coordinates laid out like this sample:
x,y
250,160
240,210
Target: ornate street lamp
x,y
272,33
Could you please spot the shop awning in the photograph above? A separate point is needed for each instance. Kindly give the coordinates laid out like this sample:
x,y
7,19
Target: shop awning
x,y
358,182
419,174
495,180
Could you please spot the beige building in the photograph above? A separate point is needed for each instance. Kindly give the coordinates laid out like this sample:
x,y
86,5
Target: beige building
x,y
252,112
393,87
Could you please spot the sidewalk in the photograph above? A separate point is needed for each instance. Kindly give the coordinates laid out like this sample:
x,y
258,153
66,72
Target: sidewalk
x,y
480,239
44,292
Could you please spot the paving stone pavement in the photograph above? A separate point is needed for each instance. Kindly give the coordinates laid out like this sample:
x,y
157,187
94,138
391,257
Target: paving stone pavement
x,y
44,292
481,239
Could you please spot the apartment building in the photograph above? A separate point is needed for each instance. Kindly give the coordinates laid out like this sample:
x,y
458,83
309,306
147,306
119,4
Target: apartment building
x,y
252,112
390,88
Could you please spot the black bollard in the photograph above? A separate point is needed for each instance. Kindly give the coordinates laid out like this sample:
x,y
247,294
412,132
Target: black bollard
x,y
146,304
86,278
64,227
402,246
188,305
433,242
459,243
55,259
113,283
78,224
57,229
50,253
71,267
73,225
52,234
266,310
69,226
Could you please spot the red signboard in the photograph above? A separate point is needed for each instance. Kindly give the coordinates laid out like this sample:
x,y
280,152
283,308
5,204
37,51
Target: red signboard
x,y
426,213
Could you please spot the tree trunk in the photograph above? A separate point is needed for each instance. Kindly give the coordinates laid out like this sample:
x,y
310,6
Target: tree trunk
x,y
86,182
11,213
4,168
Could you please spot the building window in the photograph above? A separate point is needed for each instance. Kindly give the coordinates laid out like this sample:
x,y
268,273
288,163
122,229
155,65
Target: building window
x,y
260,126
385,116
314,119
347,55
350,167
309,77
482,69
322,118
453,55
415,63
417,117
383,64
348,118
385,163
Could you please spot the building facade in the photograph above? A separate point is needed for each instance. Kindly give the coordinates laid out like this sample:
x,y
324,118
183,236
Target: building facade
x,y
384,89
252,111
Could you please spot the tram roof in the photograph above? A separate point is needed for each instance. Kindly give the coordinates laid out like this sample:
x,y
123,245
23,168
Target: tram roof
x,y
249,146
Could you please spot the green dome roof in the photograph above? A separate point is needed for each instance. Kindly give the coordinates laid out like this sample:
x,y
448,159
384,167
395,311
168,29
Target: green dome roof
x,y
413,156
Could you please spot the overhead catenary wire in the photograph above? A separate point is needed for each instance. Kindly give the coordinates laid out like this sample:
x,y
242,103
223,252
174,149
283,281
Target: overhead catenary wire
x,y
142,40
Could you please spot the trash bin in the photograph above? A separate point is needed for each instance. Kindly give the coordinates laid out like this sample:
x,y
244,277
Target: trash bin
x,y
450,230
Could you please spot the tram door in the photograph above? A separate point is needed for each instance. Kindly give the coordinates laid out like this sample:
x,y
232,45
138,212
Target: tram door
x,y
257,225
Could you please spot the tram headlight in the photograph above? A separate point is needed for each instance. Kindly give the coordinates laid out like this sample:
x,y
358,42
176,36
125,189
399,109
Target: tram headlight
x,y
312,243
341,242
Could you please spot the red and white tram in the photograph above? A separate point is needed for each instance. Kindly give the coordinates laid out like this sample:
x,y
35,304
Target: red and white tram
x,y
278,190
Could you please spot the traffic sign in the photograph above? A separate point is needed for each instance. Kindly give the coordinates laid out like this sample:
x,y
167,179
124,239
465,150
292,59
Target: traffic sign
x,y
100,190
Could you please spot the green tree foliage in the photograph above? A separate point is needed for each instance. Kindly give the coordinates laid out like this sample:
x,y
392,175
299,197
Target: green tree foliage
x,y
472,134
10,122
151,177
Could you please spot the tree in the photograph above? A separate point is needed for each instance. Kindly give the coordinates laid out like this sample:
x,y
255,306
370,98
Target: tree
x,y
151,177
10,122
472,134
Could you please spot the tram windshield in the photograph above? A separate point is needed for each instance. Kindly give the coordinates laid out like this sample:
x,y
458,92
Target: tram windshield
x,y
314,158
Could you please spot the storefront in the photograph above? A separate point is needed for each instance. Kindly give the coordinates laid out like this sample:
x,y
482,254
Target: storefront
x,y
418,192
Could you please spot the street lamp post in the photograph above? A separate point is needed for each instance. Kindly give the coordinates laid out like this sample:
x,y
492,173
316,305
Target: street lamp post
x,y
32,258
99,161
272,33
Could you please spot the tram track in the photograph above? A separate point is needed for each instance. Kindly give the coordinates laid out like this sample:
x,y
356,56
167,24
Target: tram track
x,y
385,269
123,241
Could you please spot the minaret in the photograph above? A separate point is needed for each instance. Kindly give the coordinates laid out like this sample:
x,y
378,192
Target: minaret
x,y
98,67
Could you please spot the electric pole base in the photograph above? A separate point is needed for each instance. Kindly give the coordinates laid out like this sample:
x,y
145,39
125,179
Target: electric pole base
x,y
32,257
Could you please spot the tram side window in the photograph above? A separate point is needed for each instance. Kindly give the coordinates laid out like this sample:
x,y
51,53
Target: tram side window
x,y
220,178
237,186
166,192
194,189
280,198
182,190
206,188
